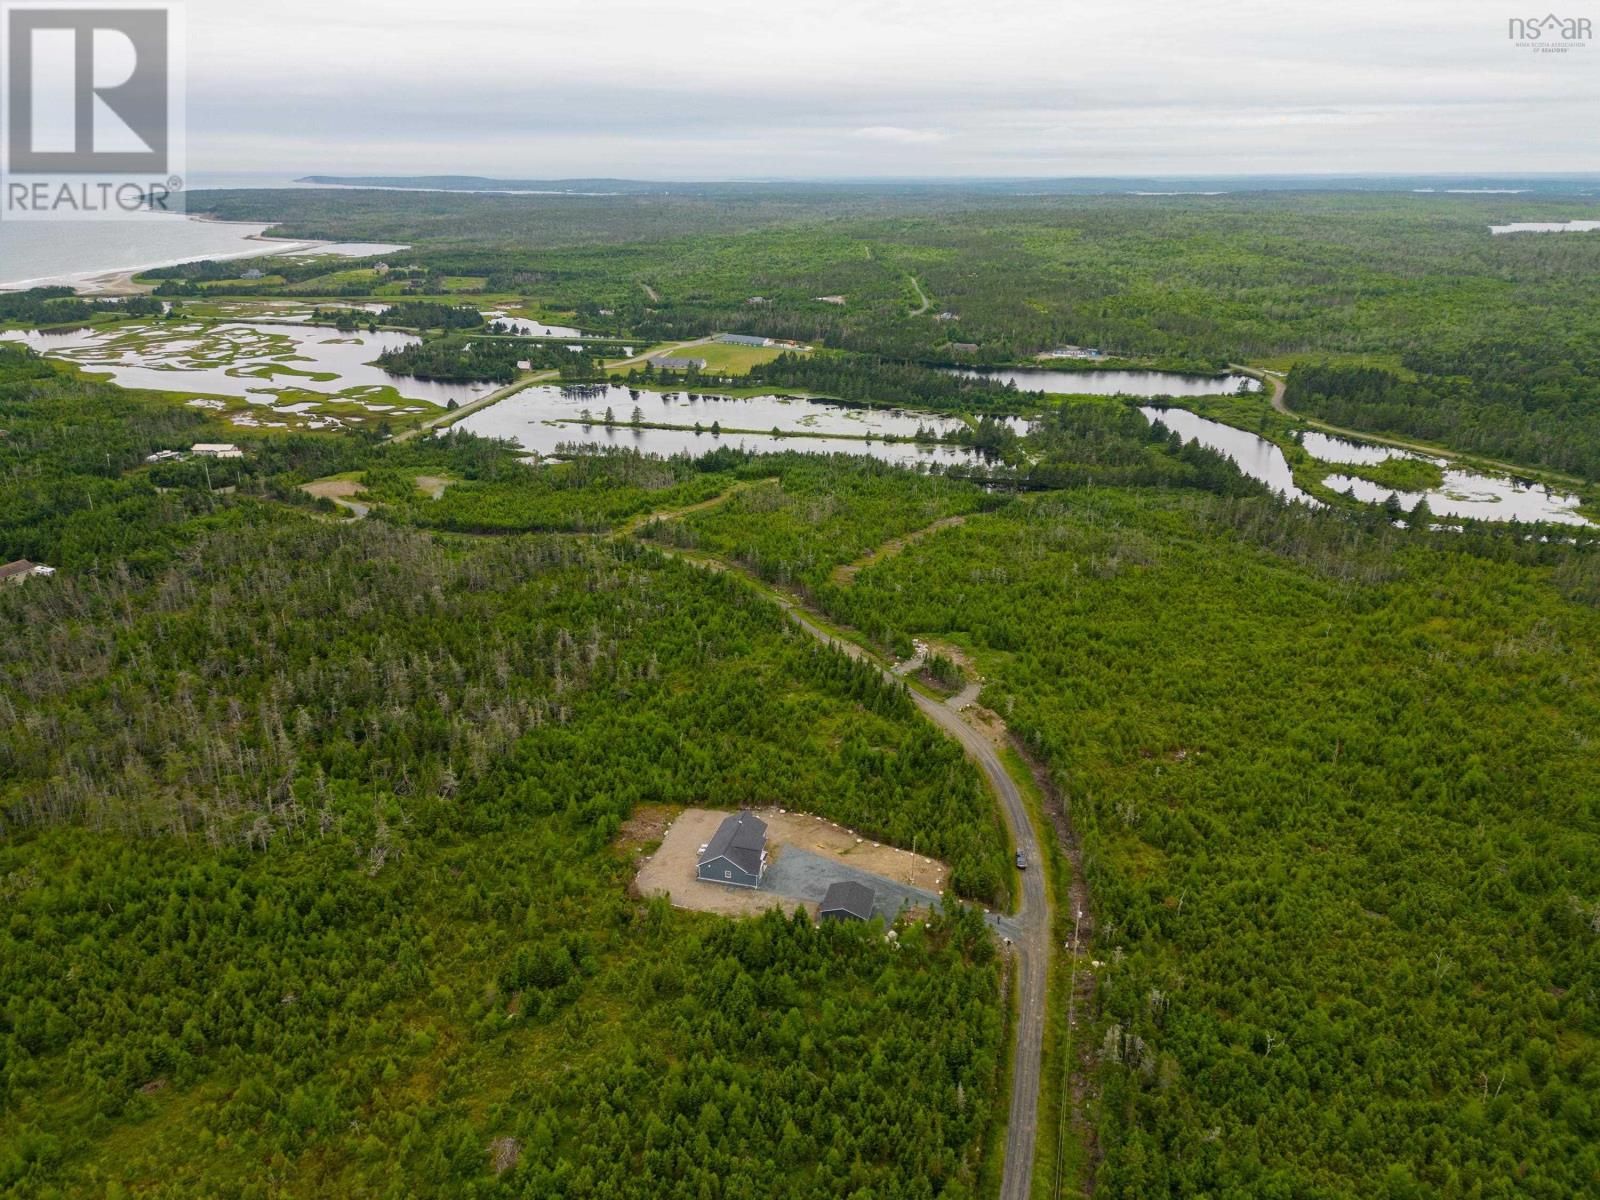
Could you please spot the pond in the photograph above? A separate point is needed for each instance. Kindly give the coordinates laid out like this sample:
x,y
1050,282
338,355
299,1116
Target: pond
x,y
531,328
253,361
1328,449
545,418
1255,456
1118,383
1546,227
1463,493
1470,494
349,250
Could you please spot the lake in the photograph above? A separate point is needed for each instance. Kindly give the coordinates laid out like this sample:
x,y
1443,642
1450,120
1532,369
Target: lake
x,y
1255,456
1118,383
545,418
259,362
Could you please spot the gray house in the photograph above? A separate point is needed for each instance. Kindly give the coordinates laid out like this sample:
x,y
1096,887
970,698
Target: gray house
x,y
846,900
737,852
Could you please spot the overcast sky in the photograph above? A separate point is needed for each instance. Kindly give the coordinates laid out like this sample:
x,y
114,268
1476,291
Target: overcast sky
x,y
712,89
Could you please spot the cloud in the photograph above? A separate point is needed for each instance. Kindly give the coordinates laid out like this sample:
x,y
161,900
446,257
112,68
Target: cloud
x,y
900,134
706,89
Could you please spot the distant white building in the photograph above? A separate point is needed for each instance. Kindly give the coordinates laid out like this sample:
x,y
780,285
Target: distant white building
x,y
743,339
217,450
253,273
947,315
1073,352
164,456
16,572
830,299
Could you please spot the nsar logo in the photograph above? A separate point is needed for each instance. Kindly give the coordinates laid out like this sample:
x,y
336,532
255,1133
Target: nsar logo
x,y
1550,32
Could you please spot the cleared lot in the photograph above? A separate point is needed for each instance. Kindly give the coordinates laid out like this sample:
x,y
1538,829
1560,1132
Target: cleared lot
x,y
805,854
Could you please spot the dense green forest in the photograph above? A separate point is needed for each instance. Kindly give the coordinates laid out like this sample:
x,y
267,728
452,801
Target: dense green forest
x,y
60,305
491,359
316,834
1541,413
875,381
308,848
1338,805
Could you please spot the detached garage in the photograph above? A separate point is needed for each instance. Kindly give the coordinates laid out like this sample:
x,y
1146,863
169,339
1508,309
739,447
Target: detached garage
x,y
847,901
737,852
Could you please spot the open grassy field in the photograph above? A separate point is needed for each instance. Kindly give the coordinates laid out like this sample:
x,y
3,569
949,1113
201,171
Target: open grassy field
x,y
733,360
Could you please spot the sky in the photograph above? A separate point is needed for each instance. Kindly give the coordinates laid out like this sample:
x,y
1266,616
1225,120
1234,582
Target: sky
x,y
712,89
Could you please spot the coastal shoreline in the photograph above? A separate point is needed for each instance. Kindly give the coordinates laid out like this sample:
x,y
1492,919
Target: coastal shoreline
x,y
119,281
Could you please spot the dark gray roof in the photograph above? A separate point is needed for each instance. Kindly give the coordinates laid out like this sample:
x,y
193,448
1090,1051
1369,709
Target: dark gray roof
x,y
848,896
740,839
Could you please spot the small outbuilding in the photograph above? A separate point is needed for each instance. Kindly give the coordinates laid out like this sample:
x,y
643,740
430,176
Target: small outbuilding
x,y
737,852
847,900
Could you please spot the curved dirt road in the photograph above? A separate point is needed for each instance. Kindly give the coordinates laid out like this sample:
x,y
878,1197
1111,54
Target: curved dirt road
x,y
1032,918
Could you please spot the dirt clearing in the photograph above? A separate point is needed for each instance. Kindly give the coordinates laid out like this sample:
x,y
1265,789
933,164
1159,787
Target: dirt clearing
x,y
333,489
670,871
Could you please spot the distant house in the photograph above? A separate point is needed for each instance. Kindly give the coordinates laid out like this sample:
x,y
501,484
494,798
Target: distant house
x,y
742,339
736,853
16,572
964,347
164,456
524,364
217,450
253,273
947,315
381,269
847,900
1085,352
667,362
830,299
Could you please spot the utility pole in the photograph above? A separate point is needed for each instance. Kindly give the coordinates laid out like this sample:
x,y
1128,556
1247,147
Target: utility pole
x,y
1063,1103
